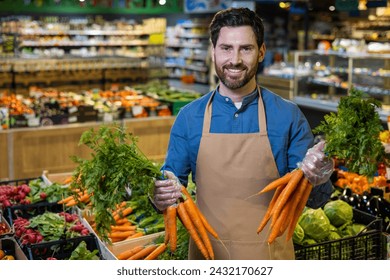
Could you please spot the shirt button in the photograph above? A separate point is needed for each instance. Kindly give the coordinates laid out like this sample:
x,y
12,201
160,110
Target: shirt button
x,y
227,99
236,115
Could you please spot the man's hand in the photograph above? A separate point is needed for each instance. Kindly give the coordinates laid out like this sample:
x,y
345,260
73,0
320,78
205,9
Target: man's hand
x,y
167,191
316,166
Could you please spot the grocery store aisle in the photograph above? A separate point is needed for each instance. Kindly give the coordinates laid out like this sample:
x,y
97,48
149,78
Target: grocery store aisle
x,y
201,88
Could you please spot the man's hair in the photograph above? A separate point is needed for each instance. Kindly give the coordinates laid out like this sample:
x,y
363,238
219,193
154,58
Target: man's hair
x,y
234,17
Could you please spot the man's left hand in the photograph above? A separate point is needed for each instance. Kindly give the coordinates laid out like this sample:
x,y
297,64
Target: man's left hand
x,y
316,166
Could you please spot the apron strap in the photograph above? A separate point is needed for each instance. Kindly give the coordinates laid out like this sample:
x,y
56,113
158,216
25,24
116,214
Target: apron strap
x,y
261,115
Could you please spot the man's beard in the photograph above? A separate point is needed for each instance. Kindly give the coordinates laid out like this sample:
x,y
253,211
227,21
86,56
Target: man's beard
x,y
235,83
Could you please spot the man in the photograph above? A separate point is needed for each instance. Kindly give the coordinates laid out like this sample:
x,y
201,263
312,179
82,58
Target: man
x,y
237,139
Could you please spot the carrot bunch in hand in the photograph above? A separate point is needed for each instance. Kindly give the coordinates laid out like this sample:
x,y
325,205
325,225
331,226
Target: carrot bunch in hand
x,y
291,194
193,220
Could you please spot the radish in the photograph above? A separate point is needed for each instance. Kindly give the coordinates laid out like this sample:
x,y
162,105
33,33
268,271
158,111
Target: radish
x,y
32,238
26,189
7,203
77,228
43,195
85,231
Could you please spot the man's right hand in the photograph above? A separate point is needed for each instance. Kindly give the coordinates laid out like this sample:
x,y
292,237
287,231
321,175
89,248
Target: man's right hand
x,y
166,191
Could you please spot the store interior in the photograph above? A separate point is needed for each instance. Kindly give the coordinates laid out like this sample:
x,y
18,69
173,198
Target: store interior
x,y
69,66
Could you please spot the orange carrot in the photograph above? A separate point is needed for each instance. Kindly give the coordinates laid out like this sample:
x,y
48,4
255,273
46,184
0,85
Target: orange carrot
x,y
135,235
287,191
156,252
123,213
119,207
144,252
275,231
172,227
128,253
84,198
71,203
122,221
298,210
206,224
66,199
121,234
193,214
113,240
267,215
278,182
294,200
123,228
67,180
166,235
188,224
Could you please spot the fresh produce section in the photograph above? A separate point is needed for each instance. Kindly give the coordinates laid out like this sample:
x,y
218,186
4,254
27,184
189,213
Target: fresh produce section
x,y
45,107
104,210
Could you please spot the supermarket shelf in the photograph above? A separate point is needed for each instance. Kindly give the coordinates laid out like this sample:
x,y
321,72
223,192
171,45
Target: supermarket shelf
x,y
330,106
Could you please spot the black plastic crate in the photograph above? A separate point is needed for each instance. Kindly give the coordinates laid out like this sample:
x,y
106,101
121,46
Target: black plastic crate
x,y
28,211
60,249
368,245
18,182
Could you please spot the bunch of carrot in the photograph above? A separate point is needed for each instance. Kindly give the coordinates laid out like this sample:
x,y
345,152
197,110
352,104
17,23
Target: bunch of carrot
x,y
291,194
123,228
76,198
193,220
149,251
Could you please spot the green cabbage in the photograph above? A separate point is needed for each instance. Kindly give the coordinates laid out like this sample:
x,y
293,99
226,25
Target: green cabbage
x,y
315,224
333,235
298,235
308,241
339,212
357,228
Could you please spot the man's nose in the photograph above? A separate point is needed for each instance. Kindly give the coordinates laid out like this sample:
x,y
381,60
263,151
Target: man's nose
x,y
236,58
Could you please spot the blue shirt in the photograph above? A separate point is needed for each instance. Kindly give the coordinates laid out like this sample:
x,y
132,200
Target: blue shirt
x,y
289,134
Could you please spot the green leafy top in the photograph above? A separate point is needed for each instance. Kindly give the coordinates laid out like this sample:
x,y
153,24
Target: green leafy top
x,y
115,162
352,134
81,252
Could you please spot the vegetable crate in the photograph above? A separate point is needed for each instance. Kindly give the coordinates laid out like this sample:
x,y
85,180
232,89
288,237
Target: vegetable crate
x,y
11,247
60,249
18,182
5,228
28,211
367,245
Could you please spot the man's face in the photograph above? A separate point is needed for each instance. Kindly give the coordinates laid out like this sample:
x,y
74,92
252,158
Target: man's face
x,y
236,56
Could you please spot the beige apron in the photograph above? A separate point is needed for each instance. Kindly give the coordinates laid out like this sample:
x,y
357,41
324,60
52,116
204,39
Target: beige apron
x,y
230,169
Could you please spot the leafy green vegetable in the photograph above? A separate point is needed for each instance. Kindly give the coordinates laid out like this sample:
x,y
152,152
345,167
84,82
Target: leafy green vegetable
x,y
299,234
339,212
82,253
346,230
115,162
333,235
52,226
353,133
315,224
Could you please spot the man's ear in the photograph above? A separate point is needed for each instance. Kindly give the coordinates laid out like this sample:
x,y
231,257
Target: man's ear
x,y
212,53
262,50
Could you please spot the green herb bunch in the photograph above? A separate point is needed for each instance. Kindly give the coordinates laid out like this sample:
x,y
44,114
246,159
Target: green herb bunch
x,y
115,162
352,134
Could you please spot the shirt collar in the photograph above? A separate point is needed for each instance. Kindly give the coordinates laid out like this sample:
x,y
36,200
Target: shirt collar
x,y
245,101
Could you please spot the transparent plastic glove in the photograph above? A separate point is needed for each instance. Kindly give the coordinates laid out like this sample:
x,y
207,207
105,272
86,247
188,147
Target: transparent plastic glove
x,y
166,191
316,166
